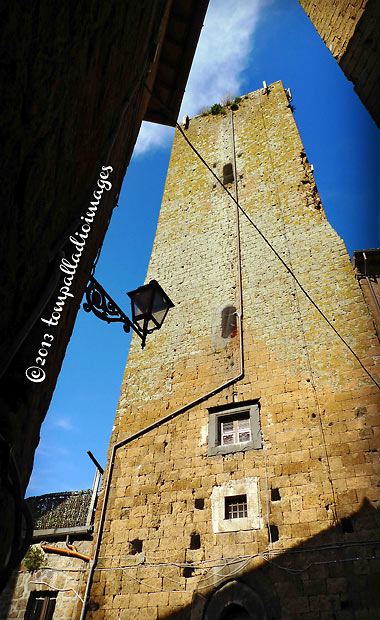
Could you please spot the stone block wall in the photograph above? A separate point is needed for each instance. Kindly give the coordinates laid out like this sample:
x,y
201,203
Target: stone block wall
x,y
351,31
314,481
61,574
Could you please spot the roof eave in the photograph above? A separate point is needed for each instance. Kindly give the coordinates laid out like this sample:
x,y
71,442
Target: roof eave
x,y
167,92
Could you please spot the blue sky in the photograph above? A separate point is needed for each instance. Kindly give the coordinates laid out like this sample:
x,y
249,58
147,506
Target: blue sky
x,y
259,40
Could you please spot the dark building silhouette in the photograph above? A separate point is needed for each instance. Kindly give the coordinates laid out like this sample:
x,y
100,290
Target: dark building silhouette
x,y
77,79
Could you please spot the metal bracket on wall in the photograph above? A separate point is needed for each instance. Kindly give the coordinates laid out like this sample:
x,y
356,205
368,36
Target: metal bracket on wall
x,y
105,308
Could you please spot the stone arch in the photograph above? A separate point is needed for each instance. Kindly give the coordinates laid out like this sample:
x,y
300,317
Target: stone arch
x,y
234,599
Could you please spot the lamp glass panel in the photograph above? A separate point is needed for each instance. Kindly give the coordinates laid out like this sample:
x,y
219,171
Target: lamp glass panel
x,y
150,306
159,307
141,302
150,324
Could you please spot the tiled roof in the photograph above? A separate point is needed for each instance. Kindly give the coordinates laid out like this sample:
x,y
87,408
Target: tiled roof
x,y
57,510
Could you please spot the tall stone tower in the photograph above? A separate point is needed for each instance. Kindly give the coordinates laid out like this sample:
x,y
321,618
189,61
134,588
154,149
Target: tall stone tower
x,y
243,468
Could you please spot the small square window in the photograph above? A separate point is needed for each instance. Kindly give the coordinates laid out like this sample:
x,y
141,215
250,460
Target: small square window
x,y
234,429
235,507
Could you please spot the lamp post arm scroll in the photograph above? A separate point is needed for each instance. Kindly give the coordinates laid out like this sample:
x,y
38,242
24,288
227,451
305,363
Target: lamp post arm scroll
x,y
105,308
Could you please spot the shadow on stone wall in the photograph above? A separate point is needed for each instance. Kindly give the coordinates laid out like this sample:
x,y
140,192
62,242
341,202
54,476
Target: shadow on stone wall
x,y
334,575
6,595
361,60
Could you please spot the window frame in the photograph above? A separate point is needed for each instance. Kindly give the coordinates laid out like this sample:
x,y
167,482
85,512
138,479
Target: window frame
x,y
240,501
49,598
235,431
233,488
235,411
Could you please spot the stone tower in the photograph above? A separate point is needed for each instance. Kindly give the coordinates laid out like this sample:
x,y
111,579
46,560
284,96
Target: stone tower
x,y
243,467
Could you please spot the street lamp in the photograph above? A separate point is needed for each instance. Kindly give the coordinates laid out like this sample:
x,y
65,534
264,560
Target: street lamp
x,y
150,305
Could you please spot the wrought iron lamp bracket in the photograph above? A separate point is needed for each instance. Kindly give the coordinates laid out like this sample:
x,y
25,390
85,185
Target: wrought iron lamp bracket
x,y
105,308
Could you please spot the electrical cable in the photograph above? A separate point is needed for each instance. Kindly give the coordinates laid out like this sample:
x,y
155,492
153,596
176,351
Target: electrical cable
x,y
212,576
246,560
49,585
219,562
181,410
223,576
289,270
305,568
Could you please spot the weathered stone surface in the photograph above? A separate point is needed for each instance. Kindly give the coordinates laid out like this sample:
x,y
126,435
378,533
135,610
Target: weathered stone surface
x,y
316,458
61,574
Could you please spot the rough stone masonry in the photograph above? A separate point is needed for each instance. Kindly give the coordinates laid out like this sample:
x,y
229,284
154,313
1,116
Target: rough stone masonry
x,y
286,521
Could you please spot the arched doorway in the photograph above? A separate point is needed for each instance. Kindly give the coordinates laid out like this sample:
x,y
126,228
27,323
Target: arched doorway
x,y
235,600
235,612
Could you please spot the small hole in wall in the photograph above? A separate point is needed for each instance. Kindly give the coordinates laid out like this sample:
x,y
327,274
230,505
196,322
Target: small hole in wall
x,y
275,495
188,571
313,415
347,526
135,546
195,541
92,606
273,531
228,174
199,503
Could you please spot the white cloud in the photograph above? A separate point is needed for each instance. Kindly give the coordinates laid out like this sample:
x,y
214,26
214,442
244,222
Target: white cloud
x,y
153,136
221,57
63,423
222,53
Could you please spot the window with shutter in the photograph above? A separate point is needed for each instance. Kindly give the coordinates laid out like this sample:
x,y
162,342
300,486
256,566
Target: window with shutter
x,y
41,605
234,428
